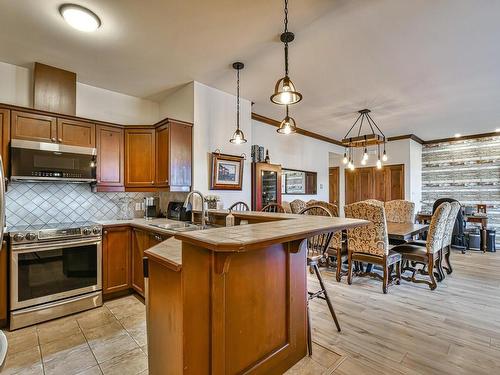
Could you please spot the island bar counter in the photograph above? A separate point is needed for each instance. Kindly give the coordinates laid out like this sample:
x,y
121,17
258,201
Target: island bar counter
x,y
232,300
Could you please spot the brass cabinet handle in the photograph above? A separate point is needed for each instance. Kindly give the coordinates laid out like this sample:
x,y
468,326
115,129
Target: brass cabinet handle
x,y
152,182
105,232
53,139
59,140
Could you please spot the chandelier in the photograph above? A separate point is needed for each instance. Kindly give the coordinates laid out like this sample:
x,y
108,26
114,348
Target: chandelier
x,y
355,139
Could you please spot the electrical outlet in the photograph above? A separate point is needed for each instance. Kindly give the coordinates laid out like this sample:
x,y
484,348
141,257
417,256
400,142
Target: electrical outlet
x,y
138,206
321,186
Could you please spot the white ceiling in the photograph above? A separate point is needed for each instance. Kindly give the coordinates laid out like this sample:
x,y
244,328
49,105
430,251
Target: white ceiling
x,y
428,67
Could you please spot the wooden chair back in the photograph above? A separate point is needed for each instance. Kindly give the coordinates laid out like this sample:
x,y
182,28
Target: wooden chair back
x,y
333,209
273,207
370,239
297,205
437,227
317,245
239,206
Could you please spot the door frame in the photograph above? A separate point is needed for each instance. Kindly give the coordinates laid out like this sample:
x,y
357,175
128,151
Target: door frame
x,y
338,185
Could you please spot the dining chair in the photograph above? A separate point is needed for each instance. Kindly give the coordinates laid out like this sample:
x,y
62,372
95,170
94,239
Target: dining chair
x,y
374,201
239,206
316,251
400,211
273,207
370,243
333,209
297,205
428,255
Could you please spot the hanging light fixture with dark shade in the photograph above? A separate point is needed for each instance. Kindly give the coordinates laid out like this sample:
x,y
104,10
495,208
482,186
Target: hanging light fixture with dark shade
x,y
238,136
287,126
359,140
285,92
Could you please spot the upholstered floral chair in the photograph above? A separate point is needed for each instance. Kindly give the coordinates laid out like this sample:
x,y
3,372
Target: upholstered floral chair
x,y
448,235
429,254
297,205
374,201
370,243
400,211
333,209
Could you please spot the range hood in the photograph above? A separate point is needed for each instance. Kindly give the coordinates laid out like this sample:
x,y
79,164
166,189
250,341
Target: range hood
x,y
42,161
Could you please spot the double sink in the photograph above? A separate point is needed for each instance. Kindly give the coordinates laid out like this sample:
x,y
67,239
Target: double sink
x,y
180,227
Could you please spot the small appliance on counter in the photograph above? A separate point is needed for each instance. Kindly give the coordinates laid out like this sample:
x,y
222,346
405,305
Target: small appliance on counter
x,y
176,211
151,207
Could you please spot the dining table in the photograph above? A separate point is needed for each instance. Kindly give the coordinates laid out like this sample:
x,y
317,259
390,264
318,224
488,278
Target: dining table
x,y
405,231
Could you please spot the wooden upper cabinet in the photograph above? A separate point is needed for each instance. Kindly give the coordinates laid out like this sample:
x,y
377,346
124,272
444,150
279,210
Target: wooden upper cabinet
x,y
110,156
140,163
5,138
116,257
75,133
162,156
33,127
181,146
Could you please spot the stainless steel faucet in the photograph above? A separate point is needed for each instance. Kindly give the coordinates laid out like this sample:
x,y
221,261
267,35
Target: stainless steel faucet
x,y
203,210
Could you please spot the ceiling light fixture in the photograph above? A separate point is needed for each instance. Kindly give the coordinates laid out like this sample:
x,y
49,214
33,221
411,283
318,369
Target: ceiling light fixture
x,y
357,140
238,136
79,17
288,125
458,135
497,130
284,90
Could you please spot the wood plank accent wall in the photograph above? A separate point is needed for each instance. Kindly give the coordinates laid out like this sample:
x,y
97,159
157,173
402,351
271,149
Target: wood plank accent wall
x,y
467,170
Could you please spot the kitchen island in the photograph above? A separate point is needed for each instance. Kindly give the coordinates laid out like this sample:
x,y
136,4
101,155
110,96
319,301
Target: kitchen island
x,y
232,300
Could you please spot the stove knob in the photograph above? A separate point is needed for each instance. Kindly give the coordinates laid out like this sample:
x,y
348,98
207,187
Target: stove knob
x,y
96,230
86,231
30,236
18,237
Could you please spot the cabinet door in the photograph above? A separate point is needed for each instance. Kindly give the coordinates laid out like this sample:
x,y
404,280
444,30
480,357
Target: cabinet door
x,y
395,185
365,183
75,133
379,184
5,134
116,259
180,156
267,185
110,156
3,283
351,186
140,242
162,156
139,157
33,127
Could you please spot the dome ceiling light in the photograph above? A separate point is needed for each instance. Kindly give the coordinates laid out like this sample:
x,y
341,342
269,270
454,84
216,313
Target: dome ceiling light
x,y
358,140
80,18
238,136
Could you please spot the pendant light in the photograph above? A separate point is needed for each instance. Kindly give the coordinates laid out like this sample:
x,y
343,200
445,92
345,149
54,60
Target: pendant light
x,y
238,136
284,90
287,126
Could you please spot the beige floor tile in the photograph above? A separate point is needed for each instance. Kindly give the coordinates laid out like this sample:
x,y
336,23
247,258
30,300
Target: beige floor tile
x,y
131,363
55,347
145,372
95,318
131,307
26,362
57,329
106,331
307,366
109,341
91,371
136,327
22,339
70,361
145,349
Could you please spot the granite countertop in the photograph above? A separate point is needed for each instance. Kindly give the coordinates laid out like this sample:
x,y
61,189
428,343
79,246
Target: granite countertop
x,y
142,223
167,253
284,228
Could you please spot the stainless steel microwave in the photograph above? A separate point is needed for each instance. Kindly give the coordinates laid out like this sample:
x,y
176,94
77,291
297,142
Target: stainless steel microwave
x,y
41,161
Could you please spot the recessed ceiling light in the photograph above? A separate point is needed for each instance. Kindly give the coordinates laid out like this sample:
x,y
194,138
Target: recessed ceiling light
x,y
458,135
79,17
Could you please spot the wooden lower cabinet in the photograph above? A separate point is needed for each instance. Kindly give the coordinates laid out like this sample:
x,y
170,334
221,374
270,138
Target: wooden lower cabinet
x,y
116,259
140,242
383,184
3,283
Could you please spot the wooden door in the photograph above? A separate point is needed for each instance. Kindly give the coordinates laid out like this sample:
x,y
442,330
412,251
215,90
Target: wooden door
x,y
139,157
333,185
33,127
266,181
110,156
116,259
351,186
3,283
395,177
181,150
162,156
140,242
365,183
5,138
379,190
75,133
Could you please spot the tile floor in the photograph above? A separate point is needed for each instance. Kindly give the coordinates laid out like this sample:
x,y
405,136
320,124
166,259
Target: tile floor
x,y
107,340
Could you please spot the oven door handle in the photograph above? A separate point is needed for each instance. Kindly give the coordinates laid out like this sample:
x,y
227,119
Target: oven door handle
x,y
54,246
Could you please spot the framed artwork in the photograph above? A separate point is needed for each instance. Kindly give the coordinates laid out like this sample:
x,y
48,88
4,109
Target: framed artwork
x,y
227,172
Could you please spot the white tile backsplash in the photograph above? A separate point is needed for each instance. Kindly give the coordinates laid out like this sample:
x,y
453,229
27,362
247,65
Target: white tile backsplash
x,y
42,203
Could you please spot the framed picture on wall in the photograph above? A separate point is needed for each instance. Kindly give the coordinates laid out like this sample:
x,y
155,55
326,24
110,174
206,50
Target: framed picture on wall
x,y
227,172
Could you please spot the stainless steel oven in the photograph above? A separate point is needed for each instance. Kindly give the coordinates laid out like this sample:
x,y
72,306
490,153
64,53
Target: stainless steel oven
x,y
41,161
54,272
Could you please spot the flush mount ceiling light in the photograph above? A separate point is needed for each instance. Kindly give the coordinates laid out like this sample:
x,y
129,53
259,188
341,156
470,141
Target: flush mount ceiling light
x,y
288,125
358,140
238,136
458,135
284,90
79,17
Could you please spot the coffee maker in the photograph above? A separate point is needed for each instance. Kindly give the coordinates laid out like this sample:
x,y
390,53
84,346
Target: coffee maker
x,y
150,207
